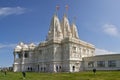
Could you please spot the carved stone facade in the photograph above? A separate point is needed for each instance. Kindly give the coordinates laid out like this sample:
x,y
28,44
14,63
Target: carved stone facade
x,y
61,52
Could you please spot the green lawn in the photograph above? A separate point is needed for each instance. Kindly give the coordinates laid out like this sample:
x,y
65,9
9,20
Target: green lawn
x,y
100,75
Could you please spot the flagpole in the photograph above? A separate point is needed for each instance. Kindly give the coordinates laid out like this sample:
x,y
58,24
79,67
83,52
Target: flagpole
x,y
66,6
57,8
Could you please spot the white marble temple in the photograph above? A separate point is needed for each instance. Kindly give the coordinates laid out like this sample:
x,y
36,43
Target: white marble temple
x,y
62,51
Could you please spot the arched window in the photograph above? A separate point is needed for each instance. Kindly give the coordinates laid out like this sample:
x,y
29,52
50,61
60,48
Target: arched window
x,y
73,68
18,55
40,52
28,68
60,67
26,54
74,49
57,68
41,68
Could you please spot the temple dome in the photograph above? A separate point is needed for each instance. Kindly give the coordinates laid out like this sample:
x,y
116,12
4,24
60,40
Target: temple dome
x,y
66,27
18,48
21,43
55,28
31,45
25,47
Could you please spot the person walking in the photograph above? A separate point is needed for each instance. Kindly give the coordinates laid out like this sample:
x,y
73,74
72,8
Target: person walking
x,y
94,71
24,74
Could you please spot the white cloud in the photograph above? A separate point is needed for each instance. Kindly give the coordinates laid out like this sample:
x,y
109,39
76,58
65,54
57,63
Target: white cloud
x,y
103,51
7,46
5,11
111,30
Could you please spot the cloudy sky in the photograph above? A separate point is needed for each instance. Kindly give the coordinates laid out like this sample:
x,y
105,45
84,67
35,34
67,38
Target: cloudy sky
x,y
98,22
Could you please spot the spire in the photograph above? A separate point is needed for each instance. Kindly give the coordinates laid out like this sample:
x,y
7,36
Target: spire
x,y
55,31
66,27
74,31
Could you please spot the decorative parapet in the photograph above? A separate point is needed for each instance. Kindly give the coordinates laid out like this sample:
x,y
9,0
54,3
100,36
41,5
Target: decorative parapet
x,y
78,41
24,47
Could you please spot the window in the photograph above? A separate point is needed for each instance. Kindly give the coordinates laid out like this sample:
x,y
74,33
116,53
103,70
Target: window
x,y
41,68
91,64
73,68
87,51
80,50
84,51
40,51
26,54
112,63
100,63
18,55
74,49
56,68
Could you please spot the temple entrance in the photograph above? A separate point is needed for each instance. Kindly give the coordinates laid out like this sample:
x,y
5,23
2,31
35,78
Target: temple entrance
x,y
73,68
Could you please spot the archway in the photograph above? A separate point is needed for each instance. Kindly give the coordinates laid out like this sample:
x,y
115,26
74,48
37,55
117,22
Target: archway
x,y
73,68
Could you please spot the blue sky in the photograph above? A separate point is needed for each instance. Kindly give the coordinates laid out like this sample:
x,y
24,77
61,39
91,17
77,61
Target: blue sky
x,y
28,21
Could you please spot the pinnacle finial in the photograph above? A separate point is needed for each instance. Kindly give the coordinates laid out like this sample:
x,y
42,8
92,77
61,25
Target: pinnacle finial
x,y
66,7
57,8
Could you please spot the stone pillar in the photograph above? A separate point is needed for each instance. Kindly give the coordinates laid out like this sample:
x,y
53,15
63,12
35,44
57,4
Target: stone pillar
x,y
14,61
23,55
22,61
14,56
80,52
54,68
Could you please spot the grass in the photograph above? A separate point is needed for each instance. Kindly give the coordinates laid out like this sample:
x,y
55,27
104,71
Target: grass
x,y
88,75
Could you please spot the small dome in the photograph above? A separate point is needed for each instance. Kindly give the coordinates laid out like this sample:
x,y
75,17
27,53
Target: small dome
x,y
21,43
32,45
25,47
18,48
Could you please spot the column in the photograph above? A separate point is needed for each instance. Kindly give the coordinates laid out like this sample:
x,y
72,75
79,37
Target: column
x,y
14,56
22,65
14,69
